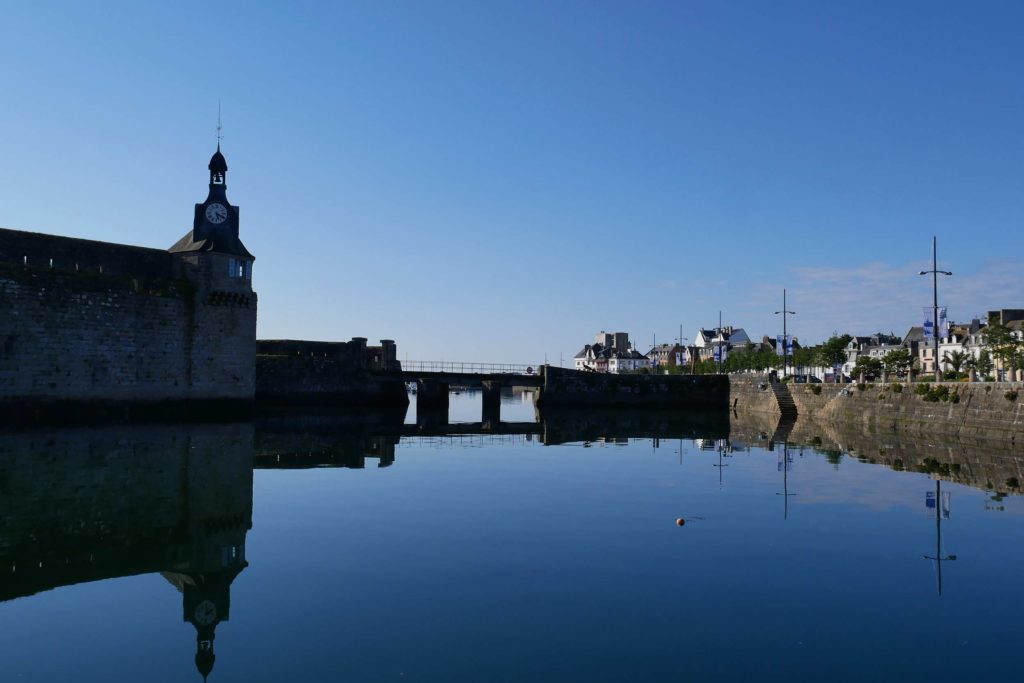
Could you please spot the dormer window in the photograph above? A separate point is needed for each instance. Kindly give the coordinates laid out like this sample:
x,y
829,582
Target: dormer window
x,y
240,268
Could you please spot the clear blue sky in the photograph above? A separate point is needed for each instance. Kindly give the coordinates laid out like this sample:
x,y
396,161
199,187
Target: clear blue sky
x,y
496,181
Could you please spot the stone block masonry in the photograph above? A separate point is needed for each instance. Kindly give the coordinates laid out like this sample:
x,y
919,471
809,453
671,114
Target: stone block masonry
x,y
324,374
572,388
89,324
977,410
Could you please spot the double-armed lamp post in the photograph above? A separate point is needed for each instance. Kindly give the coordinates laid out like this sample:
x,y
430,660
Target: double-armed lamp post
x,y
935,273
785,338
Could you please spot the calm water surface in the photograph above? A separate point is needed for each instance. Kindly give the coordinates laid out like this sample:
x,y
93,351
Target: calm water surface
x,y
127,555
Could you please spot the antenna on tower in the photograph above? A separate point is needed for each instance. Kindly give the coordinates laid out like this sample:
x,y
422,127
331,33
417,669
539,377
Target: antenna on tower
x,y
220,135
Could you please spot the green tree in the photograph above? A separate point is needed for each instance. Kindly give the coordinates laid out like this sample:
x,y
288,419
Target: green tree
x,y
871,367
833,352
983,363
897,362
803,357
1004,345
955,360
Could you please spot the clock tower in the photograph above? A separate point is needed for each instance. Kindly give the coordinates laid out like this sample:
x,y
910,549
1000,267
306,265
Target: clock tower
x,y
215,225
221,325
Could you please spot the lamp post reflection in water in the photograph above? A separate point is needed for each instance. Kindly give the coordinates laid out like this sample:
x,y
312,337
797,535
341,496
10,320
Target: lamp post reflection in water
x,y
724,449
940,505
785,463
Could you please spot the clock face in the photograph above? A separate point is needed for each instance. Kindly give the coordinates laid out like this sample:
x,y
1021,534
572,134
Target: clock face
x,y
216,213
206,613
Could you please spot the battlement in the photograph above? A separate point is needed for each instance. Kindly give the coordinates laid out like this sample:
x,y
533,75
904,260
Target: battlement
x,y
354,354
37,250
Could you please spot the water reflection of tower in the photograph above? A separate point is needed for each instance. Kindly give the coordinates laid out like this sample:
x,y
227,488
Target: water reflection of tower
x,y
785,465
219,516
940,505
206,601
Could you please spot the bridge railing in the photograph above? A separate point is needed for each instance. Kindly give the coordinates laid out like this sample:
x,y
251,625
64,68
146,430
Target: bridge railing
x,y
459,367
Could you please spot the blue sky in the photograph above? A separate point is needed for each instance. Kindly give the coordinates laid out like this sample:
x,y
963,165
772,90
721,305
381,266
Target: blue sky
x,y
499,181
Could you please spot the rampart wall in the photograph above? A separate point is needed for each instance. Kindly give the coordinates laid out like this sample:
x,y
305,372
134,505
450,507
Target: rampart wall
x,y
294,372
102,326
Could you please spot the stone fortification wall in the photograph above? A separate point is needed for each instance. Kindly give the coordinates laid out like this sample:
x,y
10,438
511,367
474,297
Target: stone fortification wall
x,y
103,325
295,372
561,387
87,256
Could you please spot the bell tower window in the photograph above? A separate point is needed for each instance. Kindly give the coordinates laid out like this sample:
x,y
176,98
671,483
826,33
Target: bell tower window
x,y
240,268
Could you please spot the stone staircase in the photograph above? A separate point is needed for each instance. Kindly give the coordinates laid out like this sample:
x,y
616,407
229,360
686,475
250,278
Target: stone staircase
x,y
785,400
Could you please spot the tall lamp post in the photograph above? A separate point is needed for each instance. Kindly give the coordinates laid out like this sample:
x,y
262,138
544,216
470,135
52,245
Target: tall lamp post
x,y
785,337
681,339
935,273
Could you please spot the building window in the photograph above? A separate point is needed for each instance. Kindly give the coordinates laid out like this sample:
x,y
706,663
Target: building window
x,y
240,268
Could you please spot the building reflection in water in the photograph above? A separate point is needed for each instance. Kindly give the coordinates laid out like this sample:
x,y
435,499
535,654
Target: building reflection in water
x,y
92,504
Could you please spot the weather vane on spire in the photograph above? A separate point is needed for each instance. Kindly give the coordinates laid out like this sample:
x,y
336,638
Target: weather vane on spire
x,y
220,136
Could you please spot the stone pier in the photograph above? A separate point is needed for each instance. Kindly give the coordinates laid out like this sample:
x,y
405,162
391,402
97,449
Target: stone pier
x,y
431,402
491,409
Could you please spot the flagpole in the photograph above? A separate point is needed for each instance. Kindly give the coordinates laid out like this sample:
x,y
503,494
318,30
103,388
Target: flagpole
x,y
935,272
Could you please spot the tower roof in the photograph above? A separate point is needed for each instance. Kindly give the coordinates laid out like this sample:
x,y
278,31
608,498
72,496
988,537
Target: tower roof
x,y
218,164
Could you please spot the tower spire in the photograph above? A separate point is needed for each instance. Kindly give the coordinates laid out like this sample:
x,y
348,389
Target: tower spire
x,y
220,135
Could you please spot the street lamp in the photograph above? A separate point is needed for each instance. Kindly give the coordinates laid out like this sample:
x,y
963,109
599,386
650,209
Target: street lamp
x,y
681,338
785,338
935,272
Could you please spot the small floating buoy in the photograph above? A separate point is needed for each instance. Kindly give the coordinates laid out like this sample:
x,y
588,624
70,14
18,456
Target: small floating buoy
x,y
680,522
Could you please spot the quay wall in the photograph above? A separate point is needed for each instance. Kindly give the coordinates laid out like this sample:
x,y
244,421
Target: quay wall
x,y
573,388
976,409
752,393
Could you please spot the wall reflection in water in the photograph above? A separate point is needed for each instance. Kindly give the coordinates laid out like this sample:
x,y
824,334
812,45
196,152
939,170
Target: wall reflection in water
x,y
83,505
88,504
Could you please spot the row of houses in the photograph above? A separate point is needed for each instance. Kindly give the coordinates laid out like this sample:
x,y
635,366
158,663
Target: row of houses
x,y
960,341
615,353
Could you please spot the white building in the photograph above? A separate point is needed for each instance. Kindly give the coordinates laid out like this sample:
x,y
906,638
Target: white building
x,y
611,353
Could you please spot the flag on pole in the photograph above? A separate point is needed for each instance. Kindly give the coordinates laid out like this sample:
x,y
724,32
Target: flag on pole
x,y
785,461
930,503
928,322
780,345
943,323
